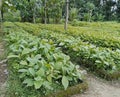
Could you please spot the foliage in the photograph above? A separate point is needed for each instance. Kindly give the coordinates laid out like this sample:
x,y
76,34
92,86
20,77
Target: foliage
x,y
100,35
73,14
12,16
89,55
86,33
83,10
39,64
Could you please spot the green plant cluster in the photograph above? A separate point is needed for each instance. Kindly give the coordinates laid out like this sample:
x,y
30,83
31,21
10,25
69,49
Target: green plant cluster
x,y
39,64
96,58
103,39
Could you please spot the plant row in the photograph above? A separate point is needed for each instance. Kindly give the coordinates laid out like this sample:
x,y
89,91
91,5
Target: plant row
x,y
100,39
39,64
102,60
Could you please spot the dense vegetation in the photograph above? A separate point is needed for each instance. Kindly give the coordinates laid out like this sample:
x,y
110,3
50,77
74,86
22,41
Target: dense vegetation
x,y
53,11
39,64
44,59
103,59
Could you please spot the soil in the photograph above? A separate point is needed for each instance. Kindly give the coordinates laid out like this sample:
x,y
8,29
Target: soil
x,y
3,73
101,88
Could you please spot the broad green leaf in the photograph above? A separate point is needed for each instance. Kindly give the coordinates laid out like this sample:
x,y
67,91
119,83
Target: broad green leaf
x,y
32,60
65,82
58,65
38,56
49,78
36,67
64,70
12,56
32,71
62,44
23,63
41,72
38,78
29,82
26,51
47,85
98,61
38,84
22,70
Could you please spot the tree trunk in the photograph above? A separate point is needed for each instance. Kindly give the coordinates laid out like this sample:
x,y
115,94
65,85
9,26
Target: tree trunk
x,y
67,14
45,19
90,15
0,11
34,21
2,14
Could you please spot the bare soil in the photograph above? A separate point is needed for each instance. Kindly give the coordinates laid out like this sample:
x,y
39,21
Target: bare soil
x,y
101,88
3,73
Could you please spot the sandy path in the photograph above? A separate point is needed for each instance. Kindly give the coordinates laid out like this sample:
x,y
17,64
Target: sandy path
x,y
3,73
101,88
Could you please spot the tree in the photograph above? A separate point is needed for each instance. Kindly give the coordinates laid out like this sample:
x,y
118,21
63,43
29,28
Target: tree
x,y
5,7
73,13
27,9
67,14
45,13
0,11
90,8
118,11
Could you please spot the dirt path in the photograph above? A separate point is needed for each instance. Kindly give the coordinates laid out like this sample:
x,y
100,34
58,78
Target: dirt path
x,y
3,73
101,88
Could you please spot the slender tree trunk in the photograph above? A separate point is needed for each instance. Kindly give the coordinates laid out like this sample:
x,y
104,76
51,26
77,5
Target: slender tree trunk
x,y
90,16
67,14
34,15
45,19
2,14
0,11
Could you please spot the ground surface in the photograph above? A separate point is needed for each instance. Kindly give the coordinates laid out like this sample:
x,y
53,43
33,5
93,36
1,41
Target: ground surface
x,y
101,88
3,73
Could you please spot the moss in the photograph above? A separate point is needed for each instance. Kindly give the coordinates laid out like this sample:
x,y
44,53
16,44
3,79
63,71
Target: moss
x,y
108,76
77,89
99,72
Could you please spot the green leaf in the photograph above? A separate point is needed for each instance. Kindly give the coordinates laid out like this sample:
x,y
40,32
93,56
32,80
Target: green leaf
x,y
38,78
98,61
65,82
32,71
38,56
32,60
49,78
38,84
26,51
41,72
58,65
29,82
12,56
23,70
23,63
47,85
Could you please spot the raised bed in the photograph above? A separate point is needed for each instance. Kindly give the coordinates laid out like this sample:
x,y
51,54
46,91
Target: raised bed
x,y
77,89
